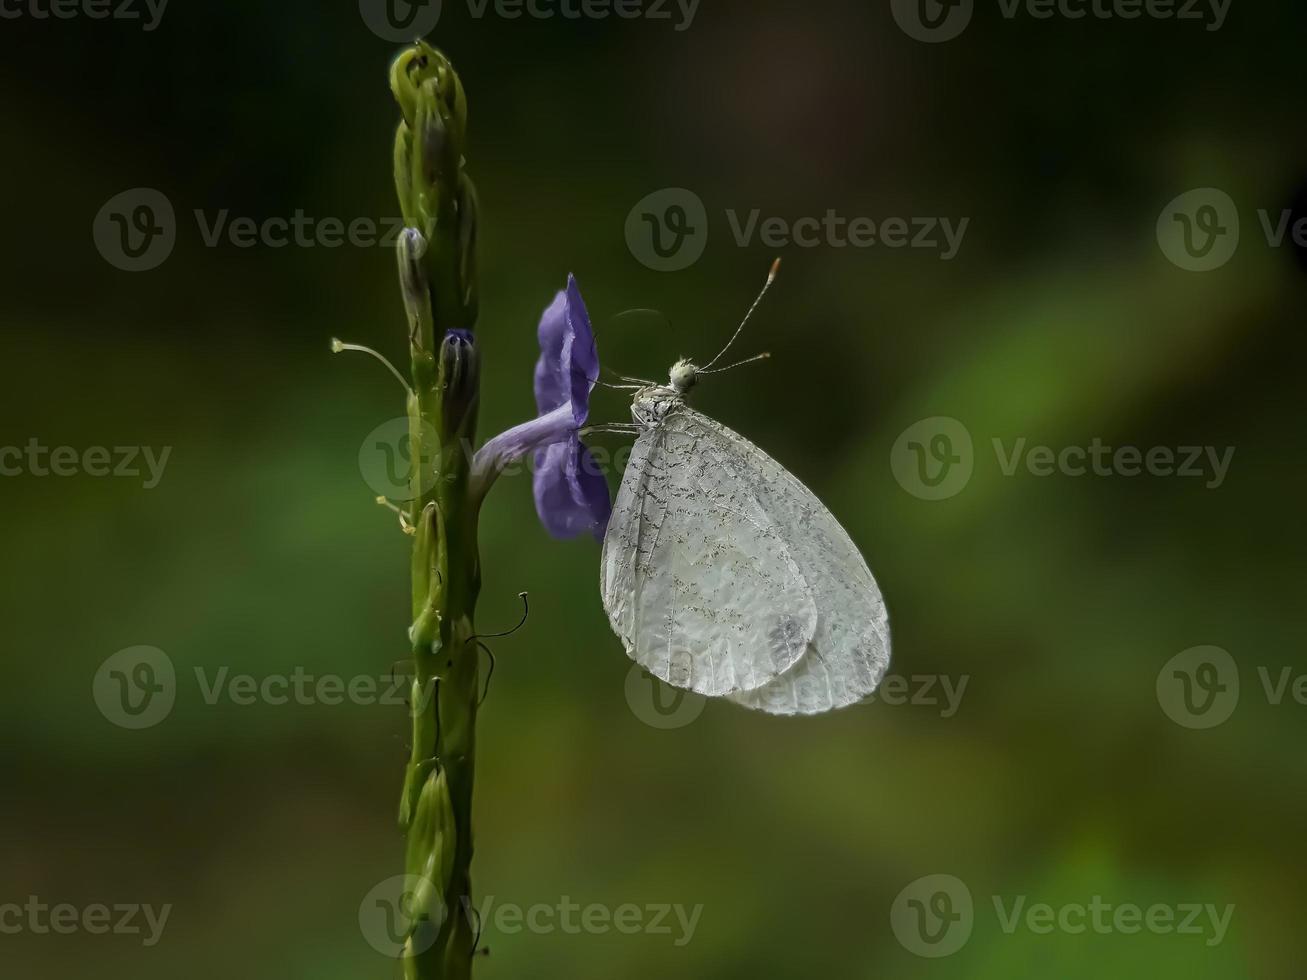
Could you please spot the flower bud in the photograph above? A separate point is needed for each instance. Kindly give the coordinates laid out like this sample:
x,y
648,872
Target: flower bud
x,y
413,282
432,843
460,376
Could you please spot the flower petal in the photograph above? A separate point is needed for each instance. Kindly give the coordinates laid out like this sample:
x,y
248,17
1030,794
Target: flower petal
x,y
551,386
584,364
569,359
571,493
513,444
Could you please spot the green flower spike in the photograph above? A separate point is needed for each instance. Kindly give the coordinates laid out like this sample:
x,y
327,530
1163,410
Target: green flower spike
x,y
436,258
437,275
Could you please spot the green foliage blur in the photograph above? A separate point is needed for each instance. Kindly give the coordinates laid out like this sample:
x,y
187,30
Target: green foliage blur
x,y
1059,777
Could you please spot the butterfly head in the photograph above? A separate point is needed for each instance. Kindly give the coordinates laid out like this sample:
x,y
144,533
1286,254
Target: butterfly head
x,y
683,376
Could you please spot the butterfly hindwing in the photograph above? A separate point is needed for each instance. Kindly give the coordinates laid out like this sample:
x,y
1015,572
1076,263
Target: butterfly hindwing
x,y
850,648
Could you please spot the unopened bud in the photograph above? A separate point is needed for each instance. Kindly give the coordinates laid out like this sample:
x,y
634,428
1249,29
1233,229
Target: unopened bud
x,y
460,377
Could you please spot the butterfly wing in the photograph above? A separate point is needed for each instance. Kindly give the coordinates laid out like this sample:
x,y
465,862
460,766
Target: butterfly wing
x,y
697,578
850,648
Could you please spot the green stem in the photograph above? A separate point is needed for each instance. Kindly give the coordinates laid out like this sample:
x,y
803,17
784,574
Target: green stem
x,y
437,270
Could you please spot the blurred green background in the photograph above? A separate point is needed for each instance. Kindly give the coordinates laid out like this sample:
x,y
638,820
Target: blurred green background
x,y
1059,599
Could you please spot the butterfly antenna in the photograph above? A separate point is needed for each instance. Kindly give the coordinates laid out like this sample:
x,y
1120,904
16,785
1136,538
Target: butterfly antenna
x,y
771,278
747,360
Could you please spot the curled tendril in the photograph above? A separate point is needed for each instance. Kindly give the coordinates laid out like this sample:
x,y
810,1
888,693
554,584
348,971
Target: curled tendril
x,y
526,613
477,637
485,692
473,910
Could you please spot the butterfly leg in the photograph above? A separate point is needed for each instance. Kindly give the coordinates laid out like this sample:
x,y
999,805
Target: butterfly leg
x,y
621,387
621,377
625,428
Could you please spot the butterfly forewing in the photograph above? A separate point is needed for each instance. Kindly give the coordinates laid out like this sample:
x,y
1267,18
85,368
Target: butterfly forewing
x,y
698,579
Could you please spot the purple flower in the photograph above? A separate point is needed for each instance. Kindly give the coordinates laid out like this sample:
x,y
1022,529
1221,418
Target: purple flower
x,y
571,493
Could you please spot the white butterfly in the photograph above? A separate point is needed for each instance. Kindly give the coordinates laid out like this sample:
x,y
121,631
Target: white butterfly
x,y
724,575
